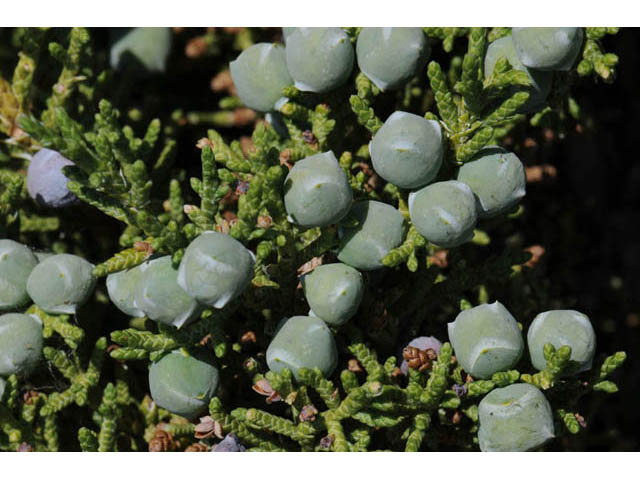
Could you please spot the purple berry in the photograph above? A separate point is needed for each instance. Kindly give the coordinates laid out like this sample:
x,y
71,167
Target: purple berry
x,y
230,443
460,389
45,181
422,343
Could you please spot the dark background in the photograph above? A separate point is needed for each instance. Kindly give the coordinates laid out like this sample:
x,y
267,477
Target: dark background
x,y
588,220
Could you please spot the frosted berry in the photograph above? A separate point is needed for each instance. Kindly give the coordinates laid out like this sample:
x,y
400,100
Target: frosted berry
x,y
16,263
516,418
46,183
497,179
333,292
548,48
142,48
61,283
215,269
407,150
20,344
183,383
391,56
122,287
259,74
380,229
562,327
303,342
486,339
540,81
444,213
286,32
317,191
160,296
230,443
319,59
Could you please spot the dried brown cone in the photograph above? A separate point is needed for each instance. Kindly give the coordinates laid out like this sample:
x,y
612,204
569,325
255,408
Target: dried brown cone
x,y
264,221
456,418
241,117
248,338
309,138
536,251
30,397
372,183
208,427
223,82
439,259
162,441
204,142
326,442
197,447
196,47
419,359
263,387
310,266
308,413
230,216
354,366
538,173
143,247
285,158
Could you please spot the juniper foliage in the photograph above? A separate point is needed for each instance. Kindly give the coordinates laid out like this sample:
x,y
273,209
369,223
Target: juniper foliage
x,y
134,175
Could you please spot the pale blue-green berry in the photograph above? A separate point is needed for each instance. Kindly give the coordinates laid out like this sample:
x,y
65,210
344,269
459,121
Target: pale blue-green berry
x,y
61,283
16,263
259,74
496,178
540,81
390,56
141,48
303,342
407,150
215,269
380,228
562,327
20,344
161,298
422,343
319,59
183,383
444,213
548,48
517,418
46,183
333,292
286,32
122,287
486,339
317,191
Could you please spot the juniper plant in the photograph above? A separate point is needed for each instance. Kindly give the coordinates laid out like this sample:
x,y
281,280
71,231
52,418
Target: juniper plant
x,y
137,199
